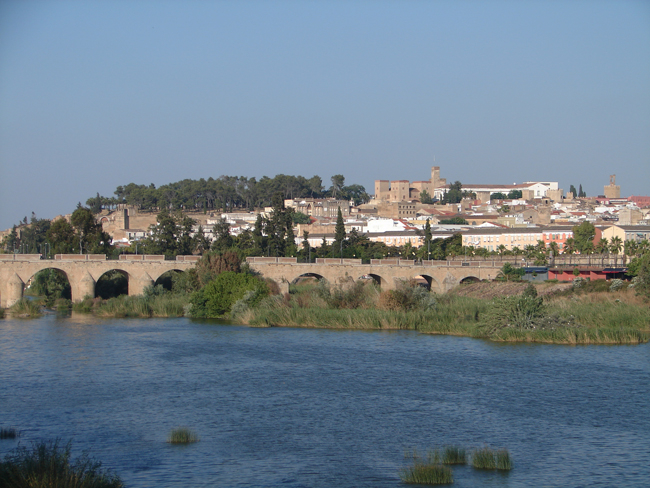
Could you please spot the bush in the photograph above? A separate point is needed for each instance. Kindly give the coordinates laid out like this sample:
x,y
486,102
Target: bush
x,y
616,284
515,311
49,465
578,282
407,296
217,297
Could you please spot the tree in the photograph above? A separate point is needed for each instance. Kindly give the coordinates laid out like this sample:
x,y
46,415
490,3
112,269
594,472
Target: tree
x,y
61,237
201,242
454,221
290,239
339,232
581,193
514,194
89,232
572,189
602,247
498,196
583,236
455,193
306,252
222,238
425,197
337,183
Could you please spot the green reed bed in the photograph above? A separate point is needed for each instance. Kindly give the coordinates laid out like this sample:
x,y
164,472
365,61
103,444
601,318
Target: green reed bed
x,y
25,308
49,465
8,433
488,458
454,455
426,471
573,336
605,313
182,435
166,305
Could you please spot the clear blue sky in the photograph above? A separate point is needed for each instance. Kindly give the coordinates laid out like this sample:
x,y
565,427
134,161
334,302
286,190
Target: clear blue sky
x,y
96,94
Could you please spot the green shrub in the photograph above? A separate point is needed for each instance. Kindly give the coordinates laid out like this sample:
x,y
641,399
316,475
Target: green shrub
x,y
616,284
48,465
182,435
217,297
516,311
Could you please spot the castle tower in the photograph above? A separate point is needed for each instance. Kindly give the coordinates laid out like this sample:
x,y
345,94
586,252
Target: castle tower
x,y
612,190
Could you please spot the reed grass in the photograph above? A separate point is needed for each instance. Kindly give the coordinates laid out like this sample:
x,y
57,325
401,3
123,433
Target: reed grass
x,y
25,308
426,471
182,435
484,458
454,455
165,305
488,458
49,465
8,433
504,463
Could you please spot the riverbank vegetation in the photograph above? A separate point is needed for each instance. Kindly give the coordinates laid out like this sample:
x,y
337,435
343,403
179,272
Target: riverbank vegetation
x,y
561,317
48,464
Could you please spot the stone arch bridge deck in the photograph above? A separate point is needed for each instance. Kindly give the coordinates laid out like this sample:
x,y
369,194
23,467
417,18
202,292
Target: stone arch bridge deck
x,y
440,275
83,271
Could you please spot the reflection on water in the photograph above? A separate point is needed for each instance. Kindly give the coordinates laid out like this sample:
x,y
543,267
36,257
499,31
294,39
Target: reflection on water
x,y
321,408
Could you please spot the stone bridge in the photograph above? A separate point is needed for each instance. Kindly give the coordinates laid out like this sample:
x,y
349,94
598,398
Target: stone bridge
x,y
83,271
440,276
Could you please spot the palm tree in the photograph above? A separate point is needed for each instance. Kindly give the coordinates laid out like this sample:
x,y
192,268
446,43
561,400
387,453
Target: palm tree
x,y
615,246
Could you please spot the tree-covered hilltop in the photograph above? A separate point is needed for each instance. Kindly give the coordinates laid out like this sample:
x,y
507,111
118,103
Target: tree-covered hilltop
x,y
227,193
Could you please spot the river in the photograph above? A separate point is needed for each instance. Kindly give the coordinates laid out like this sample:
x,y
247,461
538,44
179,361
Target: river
x,y
321,408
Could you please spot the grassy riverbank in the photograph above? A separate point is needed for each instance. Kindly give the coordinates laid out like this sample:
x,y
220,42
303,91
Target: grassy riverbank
x,y
559,317
142,306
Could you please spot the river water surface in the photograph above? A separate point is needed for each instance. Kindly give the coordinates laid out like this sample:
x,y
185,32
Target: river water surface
x,y
321,408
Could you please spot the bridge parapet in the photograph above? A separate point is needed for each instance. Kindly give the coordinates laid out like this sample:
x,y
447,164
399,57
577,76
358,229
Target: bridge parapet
x,y
20,257
80,257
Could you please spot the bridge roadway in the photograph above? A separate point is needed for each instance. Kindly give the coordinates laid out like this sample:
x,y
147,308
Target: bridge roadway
x,y
440,275
84,270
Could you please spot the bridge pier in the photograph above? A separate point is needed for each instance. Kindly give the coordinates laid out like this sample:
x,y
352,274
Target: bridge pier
x,y
13,291
82,288
137,285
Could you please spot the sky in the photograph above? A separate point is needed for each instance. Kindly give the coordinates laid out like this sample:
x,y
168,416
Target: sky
x,y
98,94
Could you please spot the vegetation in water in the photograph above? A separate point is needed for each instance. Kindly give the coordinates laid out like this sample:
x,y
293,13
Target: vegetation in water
x,y
427,470
8,433
454,455
488,458
154,302
182,435
48,464
25,308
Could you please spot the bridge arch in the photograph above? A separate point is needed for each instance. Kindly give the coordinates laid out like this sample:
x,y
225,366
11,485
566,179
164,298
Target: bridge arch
x,y
112,283
303,276
431,283
469,279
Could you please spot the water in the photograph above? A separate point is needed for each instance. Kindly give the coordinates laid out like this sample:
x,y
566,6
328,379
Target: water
x,y
319,408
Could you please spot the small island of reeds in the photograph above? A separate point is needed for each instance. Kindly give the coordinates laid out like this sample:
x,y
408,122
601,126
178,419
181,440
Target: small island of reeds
x,y
182,435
